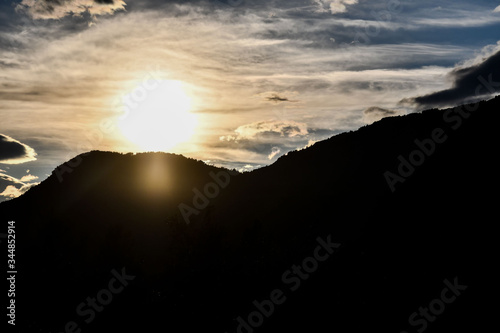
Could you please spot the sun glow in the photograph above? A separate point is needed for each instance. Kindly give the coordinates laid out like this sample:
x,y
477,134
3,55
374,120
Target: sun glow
x,y
157,115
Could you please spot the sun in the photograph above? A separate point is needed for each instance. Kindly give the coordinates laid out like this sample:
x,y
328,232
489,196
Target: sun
x,y
157,115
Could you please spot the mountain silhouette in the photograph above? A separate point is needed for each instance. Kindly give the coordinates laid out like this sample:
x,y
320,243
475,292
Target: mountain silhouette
x,y
409,202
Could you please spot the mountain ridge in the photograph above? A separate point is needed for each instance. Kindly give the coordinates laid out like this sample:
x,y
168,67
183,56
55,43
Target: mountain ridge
x,y
398,243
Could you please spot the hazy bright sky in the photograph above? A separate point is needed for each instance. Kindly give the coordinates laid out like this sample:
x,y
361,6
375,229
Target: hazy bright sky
x,y
234,82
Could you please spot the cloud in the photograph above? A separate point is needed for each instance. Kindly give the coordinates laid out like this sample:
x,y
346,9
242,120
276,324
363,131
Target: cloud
x,y
56,9
376,113
8,180
334,6
66,74
11,187
310,143
275,151
277,97
266,140
15,152
239,166
28,178
469,84
458,17
496,10
10,192
14,192
288,129
339,6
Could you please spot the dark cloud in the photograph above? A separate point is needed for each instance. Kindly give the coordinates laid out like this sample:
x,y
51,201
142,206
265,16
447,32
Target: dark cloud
x,y
277,99
376,109
469,84
56,9
323,133
375,113
15,152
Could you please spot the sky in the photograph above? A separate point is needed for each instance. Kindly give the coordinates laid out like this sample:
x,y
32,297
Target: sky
x,y
235,83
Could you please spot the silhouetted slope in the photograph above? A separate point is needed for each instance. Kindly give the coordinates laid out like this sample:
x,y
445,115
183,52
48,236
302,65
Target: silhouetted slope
x,y
117,210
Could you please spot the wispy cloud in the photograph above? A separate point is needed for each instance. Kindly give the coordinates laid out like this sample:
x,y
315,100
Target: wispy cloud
x,y
274,152
56,9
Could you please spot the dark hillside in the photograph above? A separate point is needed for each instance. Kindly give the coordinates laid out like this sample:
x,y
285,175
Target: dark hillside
x,y
411,199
